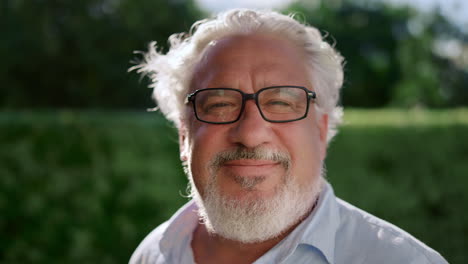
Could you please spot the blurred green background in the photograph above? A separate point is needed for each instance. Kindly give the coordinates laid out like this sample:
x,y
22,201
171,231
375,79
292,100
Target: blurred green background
x,y
86,172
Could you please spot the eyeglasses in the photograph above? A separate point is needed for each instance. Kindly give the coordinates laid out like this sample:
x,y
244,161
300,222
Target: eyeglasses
x,y
278,104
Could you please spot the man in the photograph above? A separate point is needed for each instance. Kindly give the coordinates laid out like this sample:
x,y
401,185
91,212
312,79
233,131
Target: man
x,y
254,97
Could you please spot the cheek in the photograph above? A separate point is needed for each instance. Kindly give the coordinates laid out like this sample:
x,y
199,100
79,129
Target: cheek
x,y
205,142
304,146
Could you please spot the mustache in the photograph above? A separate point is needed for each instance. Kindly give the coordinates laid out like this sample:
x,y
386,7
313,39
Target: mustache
x,y
257,153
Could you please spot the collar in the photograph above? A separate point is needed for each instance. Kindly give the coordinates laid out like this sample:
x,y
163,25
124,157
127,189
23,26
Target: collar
x,y
321,225
179,231
317,230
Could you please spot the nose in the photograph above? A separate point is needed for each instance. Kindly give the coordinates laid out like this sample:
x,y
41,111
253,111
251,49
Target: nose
x,y
251,130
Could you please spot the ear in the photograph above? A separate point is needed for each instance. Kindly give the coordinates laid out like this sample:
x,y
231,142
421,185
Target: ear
x,y
183,142
323,129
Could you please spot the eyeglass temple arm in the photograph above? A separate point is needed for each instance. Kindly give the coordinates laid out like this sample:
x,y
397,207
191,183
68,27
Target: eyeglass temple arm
x,y
189,98
311,95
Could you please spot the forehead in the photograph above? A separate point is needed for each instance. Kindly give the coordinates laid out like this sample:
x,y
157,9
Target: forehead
x,y
265,60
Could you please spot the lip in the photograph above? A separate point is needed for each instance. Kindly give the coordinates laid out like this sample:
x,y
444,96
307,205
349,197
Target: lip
x,y
251,163
251,168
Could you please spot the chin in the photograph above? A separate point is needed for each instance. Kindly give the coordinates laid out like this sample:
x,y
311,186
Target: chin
x,y
246,197
252,216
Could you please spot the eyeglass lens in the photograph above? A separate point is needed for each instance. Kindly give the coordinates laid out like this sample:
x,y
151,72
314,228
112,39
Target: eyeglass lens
x,y
275,104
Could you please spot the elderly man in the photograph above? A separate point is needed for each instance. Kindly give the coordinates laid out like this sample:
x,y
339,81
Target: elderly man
x,y
254,97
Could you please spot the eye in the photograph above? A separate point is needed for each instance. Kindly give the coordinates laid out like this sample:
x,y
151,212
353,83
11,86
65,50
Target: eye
x,y
279,103
278,106
217,106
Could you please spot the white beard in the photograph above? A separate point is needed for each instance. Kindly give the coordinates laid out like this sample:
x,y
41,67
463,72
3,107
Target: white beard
x,y
255,219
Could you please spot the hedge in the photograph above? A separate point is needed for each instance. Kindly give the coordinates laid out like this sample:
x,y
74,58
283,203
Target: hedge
x,y
86,187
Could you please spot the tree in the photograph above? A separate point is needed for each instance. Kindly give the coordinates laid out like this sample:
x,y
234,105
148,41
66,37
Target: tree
x,y
75,54
389,51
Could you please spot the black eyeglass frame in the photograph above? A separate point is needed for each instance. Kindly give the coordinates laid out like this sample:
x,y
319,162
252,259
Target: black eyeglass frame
x,y
252,96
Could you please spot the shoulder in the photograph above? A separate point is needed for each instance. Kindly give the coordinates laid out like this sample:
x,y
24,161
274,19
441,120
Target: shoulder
x,y
149,249
165,243
368,239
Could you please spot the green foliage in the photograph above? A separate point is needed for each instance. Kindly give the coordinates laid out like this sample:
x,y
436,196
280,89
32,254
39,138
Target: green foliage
x,y
84,188
87,187
75,54
410,169
390,53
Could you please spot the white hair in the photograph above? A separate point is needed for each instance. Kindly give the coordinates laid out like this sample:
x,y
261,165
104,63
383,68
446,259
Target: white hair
x,y
171,73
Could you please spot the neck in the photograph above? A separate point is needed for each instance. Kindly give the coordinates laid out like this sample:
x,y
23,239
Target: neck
x,y
212,248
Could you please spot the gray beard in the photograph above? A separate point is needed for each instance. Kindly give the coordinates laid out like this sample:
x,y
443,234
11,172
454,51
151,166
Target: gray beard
x,y
255,218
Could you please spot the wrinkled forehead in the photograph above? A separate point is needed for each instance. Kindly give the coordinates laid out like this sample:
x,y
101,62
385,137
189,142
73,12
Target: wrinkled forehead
x,y
254,52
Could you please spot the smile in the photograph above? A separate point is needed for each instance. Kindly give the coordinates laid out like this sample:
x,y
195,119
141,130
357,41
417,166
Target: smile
x,y
251,168
251,163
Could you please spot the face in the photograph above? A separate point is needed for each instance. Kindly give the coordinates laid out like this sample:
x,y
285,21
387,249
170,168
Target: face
x,y
249,63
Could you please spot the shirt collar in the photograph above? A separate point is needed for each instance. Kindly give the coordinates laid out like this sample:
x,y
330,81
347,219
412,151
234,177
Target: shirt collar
x,y
321,225
179,231
317,230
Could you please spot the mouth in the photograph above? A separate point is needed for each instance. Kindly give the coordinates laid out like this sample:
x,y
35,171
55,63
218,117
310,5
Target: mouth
x,y
251,168
261,160
250,163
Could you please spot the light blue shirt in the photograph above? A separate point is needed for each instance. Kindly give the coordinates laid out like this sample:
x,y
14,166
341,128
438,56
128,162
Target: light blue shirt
x,y
335,232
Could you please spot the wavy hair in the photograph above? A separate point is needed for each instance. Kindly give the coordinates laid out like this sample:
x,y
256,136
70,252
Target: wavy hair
x,y
171,73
